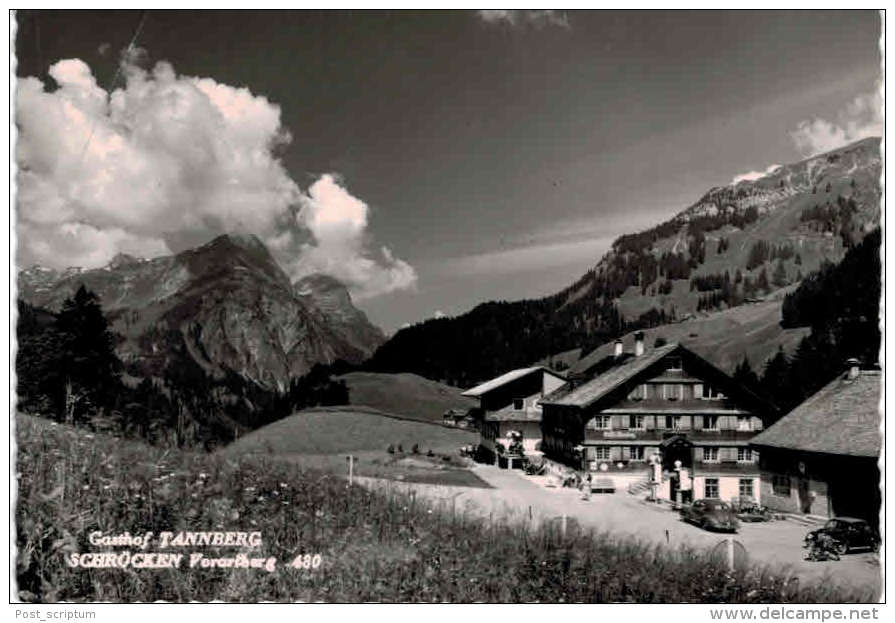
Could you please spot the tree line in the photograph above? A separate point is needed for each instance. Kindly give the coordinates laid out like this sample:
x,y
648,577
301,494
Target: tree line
x,y
67,370
840,304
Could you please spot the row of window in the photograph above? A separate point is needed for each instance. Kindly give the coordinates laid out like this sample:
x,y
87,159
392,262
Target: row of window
x,y
675,391
636,453
672,422
709,455
744,455
746,488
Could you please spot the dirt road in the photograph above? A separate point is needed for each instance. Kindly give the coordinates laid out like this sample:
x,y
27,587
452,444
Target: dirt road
x,y
517,497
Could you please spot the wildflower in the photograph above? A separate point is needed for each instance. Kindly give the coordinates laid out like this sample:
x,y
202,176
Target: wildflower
x,y
283,485
86,487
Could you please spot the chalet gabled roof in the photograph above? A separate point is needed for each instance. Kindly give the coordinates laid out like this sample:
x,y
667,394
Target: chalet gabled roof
x,y
508,377
591,391
842,418
628,367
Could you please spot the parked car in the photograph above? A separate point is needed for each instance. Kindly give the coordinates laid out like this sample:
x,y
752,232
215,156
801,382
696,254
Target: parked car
x,y
821,546
747,509
849,533
711,514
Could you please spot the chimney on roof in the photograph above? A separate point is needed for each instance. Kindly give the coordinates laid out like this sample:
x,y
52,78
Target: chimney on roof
x,y
638,343
854,368
619,348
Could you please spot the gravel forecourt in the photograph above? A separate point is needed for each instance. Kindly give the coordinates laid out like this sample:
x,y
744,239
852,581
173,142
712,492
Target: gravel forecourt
x,y
518,497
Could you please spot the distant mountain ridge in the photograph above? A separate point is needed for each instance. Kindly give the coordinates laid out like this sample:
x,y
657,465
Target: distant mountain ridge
x,y
740,243
226,305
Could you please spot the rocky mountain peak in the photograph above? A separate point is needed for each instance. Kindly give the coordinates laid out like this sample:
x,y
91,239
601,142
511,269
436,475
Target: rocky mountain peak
x,y
121,260
225,305
333,299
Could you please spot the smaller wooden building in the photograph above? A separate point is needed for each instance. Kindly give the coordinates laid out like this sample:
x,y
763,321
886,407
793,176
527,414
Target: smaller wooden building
x,y
511,403
822,457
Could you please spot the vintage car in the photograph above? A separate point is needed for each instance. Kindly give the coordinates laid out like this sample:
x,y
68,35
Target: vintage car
x,y
748,510
849,533
711,514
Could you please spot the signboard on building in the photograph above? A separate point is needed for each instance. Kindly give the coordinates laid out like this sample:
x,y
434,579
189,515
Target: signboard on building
x,y
618,434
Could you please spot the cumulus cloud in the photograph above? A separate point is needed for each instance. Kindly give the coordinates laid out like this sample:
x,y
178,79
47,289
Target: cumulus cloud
x,y
337,222
861,118
170,158
520,18
751,176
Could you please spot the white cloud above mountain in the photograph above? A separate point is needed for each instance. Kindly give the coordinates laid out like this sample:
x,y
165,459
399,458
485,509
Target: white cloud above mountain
x,y
861,118
168,155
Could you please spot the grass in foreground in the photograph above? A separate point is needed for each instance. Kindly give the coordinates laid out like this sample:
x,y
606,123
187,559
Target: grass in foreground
x,y
374,547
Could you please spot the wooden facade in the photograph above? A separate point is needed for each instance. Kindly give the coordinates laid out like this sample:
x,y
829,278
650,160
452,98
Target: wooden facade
x,y
822,457
670,403
511,402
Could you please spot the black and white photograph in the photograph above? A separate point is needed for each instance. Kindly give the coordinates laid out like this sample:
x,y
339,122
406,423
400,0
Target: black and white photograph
x,y
518,306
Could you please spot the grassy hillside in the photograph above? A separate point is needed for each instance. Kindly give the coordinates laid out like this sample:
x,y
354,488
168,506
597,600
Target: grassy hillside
x,y
321,439
722,337
329,430
404,394
373,547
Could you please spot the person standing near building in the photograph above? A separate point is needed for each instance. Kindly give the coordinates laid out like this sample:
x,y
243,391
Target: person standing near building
x,y
586,487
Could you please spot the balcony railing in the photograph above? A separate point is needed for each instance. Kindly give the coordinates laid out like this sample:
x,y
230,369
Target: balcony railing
x,y
695,435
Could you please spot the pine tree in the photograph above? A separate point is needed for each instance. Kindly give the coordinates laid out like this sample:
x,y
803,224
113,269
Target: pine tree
x,y
87,360
762,283
774,379
779,274
746,376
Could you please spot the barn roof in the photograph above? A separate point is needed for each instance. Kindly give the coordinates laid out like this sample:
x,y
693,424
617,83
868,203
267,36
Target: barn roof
x,y
508,377
595,389
842,418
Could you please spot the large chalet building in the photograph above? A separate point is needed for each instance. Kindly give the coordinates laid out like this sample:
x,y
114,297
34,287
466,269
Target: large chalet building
x,y
666,401
511,403
822,457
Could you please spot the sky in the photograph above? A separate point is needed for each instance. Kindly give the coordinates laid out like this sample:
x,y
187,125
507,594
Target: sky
x,y
429,160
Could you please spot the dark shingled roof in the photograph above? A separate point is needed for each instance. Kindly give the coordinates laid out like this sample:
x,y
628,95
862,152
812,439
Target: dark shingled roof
x,y
508,414
842,418
508,377
595,389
